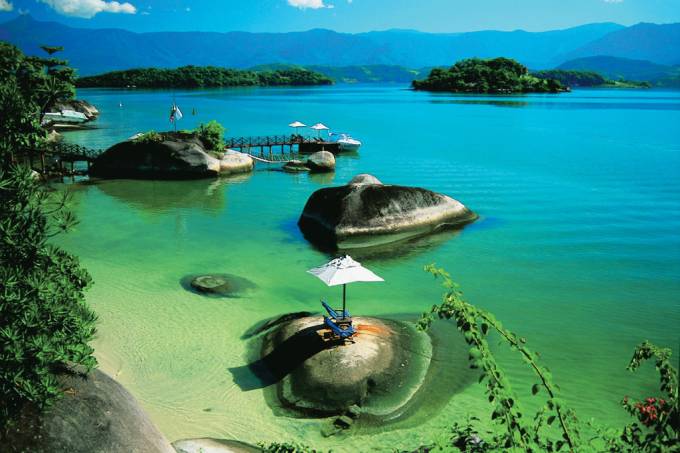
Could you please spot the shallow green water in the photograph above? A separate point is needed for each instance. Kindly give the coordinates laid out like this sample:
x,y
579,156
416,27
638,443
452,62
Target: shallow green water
x,y
577,248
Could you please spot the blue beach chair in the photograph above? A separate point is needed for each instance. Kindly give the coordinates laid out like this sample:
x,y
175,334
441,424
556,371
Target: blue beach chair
x,y
338,315
337,330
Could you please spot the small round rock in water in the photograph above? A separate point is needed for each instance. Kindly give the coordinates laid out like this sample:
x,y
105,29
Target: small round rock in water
x,y
295,166
224,285
212,284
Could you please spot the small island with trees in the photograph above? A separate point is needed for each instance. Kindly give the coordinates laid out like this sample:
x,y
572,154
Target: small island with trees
x,y
202,77
494,76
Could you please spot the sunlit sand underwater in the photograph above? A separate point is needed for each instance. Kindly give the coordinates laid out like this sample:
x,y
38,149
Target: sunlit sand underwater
x,y
577,248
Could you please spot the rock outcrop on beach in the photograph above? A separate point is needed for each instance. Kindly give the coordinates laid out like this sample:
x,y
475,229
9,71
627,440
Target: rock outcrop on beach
x,y
78,105
366,212
96,414
321,162
234,162
167,156
209,445
379,370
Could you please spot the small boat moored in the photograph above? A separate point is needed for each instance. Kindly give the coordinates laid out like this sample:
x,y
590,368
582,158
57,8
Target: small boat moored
x,y
346,142
65,117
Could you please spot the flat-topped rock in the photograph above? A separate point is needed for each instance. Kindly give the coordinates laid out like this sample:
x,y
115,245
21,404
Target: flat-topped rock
x,y
378,371
366,212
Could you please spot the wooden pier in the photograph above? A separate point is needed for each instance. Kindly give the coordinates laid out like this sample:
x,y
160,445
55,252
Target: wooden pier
x,y
279,148
57,155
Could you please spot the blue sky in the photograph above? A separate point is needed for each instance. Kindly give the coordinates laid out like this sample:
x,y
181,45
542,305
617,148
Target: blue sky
x,y
342,15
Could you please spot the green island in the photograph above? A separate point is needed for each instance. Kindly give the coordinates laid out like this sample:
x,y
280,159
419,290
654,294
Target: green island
x,y
494,76
202,77
573,78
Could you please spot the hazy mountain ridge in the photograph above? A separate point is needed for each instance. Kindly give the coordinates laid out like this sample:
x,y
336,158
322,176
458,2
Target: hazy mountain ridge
x,y
95,51
652,42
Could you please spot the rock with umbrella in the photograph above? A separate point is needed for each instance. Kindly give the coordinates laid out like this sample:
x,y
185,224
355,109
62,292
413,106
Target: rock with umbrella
x,y
326,365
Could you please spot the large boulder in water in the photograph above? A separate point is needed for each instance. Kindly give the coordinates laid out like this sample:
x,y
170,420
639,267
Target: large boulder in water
x,y
366,212
234,162
166,156
96,414
321,162
379,370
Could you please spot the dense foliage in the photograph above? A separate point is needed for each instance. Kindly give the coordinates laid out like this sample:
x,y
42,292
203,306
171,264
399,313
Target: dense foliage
x,y
498,75
148,137
202,76
554,427
212,135
44,81
45,325
573,78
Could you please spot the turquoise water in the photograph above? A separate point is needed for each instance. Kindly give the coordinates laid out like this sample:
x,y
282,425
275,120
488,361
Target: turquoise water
x,y
577,248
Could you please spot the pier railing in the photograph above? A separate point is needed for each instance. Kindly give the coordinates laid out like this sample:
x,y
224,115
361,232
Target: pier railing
x,y
267,140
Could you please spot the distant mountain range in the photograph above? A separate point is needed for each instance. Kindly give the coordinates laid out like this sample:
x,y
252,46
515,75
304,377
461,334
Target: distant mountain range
x,y
94,51
616,68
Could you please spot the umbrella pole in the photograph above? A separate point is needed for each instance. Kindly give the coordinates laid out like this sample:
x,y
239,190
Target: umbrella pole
x,y
344,294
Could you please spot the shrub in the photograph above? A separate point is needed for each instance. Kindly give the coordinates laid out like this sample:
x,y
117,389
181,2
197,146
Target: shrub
x,y
212,135
45,324
148,138
554,427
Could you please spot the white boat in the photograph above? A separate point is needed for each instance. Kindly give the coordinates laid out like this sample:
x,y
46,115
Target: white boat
x,y
65,117
347,143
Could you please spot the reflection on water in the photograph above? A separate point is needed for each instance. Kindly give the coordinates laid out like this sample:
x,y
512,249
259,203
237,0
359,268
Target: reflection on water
x,y
404,249
161,196
562,105
322,178
493,102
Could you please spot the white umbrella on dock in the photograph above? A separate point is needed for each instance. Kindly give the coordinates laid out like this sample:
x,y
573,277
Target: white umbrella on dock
x,y
341,271
320,127
296,124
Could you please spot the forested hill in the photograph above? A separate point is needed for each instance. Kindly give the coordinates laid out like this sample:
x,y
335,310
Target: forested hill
x,y
493,76
616,68
576,79
205,76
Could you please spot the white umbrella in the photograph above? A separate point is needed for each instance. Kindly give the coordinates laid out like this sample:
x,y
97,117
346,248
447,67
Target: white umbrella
x,y
320,127
341,271
296,125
